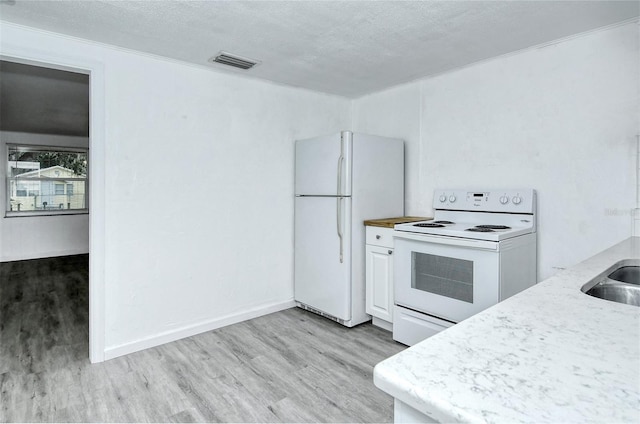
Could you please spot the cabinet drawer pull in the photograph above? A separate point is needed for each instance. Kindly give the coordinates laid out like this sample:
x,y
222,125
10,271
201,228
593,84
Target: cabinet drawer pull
x,y
390,251
378,236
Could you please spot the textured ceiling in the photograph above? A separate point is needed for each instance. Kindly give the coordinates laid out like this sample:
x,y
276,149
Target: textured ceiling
x,y
349,48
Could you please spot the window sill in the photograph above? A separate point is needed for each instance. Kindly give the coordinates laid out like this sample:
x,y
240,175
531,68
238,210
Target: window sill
x,y
53,212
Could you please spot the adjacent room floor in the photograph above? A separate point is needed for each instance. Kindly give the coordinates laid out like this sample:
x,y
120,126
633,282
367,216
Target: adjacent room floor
x,y
290,366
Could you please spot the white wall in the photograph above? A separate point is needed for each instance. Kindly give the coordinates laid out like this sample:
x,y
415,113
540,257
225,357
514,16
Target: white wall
x,y
176,132
33,237
396,113
561,119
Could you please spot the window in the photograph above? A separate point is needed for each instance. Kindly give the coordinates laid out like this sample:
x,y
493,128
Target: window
x,y
46,180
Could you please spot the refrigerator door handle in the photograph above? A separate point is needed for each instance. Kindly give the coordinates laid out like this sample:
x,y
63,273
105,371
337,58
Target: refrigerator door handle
x,y
340,162
339,225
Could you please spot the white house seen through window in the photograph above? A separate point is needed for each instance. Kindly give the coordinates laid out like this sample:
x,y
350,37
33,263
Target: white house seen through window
x,y
46,180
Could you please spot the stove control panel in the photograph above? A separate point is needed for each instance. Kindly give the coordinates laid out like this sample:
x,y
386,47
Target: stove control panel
x,y
506,201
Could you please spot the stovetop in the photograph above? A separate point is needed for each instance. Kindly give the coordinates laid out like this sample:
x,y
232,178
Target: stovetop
x,y
479,215
470,230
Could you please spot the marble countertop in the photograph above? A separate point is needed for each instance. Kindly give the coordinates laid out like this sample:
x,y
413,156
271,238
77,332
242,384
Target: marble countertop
x,y
548,354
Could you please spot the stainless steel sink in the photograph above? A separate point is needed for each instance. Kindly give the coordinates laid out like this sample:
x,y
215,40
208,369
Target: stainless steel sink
x,y
617,292
627,274
620,283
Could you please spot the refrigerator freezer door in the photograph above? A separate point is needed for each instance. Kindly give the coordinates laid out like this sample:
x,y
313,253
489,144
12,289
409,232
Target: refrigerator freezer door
x,y
323,254
323,166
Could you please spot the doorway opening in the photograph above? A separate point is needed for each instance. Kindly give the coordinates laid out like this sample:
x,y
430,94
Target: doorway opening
x,y
47,112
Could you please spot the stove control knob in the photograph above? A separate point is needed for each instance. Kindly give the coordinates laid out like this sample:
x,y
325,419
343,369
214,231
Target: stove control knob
x,y
504,200
443,198
516,200
452,198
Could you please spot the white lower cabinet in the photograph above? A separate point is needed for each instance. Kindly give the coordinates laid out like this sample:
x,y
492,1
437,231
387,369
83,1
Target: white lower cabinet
x,y
403,413
379,282
379,275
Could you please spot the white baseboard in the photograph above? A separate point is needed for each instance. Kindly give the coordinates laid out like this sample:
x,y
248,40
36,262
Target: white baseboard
x,y
42,255
385,325
193,329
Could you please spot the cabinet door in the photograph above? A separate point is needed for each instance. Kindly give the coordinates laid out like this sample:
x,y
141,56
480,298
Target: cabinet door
x,y
379,282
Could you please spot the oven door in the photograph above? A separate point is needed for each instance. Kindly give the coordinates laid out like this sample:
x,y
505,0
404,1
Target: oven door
x,y
447,277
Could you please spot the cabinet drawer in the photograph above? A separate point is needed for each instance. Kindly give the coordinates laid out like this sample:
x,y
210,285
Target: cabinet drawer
x,y
380,236
411,327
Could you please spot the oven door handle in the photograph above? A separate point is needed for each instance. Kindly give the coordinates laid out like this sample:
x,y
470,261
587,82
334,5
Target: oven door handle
x,y
449,241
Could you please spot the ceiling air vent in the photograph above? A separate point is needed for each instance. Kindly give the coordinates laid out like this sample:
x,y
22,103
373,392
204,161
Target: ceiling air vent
x,y
234,60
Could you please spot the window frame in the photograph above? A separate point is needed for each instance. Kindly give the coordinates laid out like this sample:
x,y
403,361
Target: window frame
x,y
44,148
59,186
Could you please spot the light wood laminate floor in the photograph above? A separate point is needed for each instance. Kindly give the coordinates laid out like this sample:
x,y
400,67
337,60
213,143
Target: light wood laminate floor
x,y
290,366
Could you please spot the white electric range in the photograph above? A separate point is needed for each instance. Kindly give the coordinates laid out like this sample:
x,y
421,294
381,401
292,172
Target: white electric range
x,y
479,249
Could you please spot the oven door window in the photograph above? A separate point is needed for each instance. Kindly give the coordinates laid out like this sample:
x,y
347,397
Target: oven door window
x,y
443,276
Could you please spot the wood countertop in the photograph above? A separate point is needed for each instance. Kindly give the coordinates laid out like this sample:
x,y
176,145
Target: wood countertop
x,y
390,222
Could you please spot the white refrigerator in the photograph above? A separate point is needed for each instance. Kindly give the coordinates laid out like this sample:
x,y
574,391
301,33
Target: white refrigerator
x,y
340,181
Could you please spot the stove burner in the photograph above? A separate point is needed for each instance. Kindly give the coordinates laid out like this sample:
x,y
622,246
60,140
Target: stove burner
x,y
428,225
443,222
494,227
480,230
